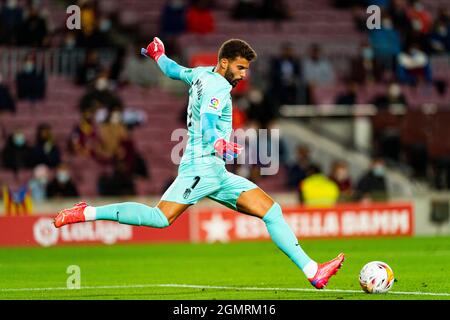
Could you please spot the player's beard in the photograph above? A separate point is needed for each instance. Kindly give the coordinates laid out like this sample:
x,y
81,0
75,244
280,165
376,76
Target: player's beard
x,y
230,78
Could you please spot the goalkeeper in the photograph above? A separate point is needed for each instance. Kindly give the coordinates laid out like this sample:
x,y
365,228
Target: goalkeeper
x,y
202,170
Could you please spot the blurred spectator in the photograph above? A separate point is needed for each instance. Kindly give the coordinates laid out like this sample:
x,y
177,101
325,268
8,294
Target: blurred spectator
x,y
285,75
413,66
386,126
7,102
88,36
83,138
111,135
393,95
30,83
118,182
398,12
69,41
317,69
317,189
45,151
117,66
260,107
420,18
173,18
132,161
11,17
89,70
439,38
372,185
38,183
199,17
33,31
103,33
340,175
100,96
274,10
386,43
349,96
245,10
364,67
299,170
62,184
16,153
140,70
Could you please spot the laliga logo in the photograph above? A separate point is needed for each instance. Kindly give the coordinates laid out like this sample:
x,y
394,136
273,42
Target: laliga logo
x,y
214,102
104,231
45,233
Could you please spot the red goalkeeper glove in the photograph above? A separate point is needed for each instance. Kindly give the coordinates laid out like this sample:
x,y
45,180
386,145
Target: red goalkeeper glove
x,y
227,150
155,49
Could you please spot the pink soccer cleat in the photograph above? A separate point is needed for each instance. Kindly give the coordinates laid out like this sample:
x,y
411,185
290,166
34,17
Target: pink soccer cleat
x,y
325,271
72,215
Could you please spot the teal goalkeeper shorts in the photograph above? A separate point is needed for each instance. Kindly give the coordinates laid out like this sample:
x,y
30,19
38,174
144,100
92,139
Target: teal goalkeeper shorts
x,y
216,183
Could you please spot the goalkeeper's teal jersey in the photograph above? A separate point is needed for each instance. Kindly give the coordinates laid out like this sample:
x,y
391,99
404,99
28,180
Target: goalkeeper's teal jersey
x,y
209,93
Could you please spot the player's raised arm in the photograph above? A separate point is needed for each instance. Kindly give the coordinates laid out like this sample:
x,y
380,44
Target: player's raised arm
x,y
170,68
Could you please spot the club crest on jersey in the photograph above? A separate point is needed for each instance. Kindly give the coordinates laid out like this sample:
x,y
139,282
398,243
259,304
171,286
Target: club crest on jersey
x,y
187,192
214,103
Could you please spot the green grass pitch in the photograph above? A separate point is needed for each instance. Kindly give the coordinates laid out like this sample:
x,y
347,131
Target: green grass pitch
x,y
245,270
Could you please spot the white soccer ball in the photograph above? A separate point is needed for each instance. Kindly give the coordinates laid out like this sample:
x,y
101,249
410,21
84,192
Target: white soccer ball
x,y
376,277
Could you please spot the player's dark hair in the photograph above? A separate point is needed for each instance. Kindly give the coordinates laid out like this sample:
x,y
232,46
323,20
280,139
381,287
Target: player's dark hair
x,y
233,48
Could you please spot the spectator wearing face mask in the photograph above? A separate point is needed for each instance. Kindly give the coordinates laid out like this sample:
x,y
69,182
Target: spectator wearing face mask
x,y
30,83
16,154
413,66
100,96
364,67
386,43
62,184
372,185
45,151
38,183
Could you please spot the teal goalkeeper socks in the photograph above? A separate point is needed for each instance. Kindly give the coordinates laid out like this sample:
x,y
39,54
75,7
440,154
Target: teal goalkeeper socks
x,y
133,213
284,238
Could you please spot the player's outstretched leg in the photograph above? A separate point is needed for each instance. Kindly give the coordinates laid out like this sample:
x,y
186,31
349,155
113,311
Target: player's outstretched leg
x,y
256,202
132,213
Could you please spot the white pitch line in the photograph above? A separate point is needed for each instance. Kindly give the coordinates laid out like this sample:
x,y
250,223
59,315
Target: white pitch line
x,y
193,286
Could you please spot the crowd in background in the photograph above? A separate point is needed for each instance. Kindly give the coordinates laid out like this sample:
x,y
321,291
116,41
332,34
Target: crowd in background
x,y
398,53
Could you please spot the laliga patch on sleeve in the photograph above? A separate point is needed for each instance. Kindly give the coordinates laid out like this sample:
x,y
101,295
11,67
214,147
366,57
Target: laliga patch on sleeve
x,y
214,103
